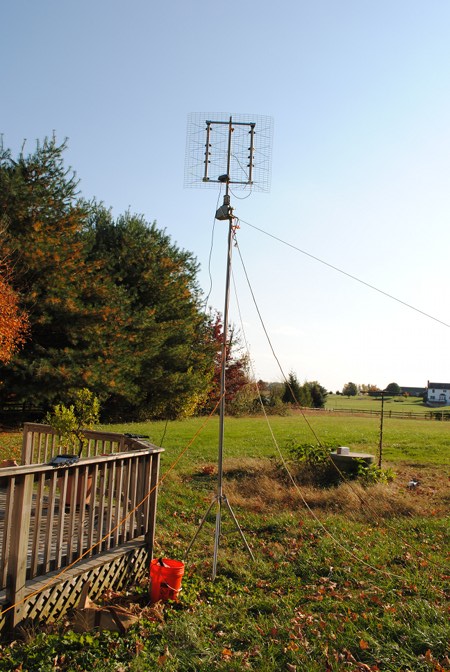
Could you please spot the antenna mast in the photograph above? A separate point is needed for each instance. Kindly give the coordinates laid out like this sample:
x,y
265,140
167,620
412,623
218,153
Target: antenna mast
x,y
227,144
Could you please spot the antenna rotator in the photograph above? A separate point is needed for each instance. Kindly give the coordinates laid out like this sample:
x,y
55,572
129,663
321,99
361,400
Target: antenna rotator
x,y
225,211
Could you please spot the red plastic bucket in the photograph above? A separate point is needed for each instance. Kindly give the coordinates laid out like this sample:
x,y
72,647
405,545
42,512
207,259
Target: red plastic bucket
x,y
165,579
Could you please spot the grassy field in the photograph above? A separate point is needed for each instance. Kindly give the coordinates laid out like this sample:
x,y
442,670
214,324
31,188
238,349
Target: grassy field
x,y
344,578
395,404
405,440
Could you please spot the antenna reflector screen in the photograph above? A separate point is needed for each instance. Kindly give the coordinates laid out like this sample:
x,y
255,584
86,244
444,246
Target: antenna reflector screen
x,y
233,148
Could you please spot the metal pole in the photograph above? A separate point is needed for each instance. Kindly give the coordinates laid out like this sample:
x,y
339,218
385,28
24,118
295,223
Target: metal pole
x,y
225,323
224,358
223,365
380,448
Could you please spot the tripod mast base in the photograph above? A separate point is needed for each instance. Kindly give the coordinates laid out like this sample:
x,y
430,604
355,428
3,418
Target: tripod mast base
x,y
219,500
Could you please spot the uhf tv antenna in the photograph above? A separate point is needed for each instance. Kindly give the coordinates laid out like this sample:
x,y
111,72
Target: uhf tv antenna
x,y
236,152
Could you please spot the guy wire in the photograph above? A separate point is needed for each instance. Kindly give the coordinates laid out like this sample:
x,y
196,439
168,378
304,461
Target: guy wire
x,y
348,275
210,253
271,346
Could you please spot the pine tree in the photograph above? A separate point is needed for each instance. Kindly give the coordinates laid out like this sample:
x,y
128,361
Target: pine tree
x,y
292,391
77,317
318,393
114,306
173,355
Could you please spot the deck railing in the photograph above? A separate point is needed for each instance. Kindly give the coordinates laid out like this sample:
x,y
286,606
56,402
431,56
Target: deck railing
x,y
50,516
42,442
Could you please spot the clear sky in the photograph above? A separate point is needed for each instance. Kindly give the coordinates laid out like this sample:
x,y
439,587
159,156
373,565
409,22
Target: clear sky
x,y
360,96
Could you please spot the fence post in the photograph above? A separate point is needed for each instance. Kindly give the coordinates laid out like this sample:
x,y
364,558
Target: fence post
x,y
18,551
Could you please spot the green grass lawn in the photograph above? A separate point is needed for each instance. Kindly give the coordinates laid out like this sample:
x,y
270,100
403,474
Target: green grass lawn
x,y
356,582
427,441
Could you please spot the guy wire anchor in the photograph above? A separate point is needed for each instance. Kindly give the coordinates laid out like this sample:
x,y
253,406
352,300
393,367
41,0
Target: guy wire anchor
x,y
219,499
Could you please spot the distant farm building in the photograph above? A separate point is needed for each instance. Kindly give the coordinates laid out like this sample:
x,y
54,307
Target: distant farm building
x,y
413,391
438,394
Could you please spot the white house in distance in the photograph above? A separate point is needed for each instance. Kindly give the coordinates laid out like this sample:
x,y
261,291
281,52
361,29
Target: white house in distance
x,y
438,394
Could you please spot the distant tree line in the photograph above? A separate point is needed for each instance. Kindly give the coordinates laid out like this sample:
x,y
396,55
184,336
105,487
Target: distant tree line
x,y
351,390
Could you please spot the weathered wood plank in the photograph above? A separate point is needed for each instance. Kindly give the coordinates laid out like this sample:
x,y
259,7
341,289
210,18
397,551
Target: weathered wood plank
x,y
49,526
38,514
153,500
7,524
111,503
101,508
120,505
18,548
133,497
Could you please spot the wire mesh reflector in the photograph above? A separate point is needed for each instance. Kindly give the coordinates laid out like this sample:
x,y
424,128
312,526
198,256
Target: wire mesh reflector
x,y
209,140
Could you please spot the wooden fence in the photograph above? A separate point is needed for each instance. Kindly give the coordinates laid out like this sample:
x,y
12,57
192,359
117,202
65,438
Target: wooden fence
x,y
51,517
388,413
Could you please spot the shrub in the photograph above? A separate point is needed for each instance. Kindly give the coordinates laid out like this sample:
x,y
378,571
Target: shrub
x,y
371,474
313,463
70,421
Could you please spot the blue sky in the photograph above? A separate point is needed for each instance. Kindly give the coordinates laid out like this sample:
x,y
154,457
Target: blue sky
x,y
360,97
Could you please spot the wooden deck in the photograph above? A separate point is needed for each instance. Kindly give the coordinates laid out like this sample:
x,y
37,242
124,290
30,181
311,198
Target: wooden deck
x,y
63,545
51,518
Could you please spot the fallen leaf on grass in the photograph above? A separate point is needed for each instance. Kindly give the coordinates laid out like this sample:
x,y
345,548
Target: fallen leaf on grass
x,y
163,657
208,469
347,656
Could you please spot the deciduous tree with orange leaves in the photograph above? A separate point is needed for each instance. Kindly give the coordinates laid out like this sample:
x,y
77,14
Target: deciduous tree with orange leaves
x,y
14,324
236,365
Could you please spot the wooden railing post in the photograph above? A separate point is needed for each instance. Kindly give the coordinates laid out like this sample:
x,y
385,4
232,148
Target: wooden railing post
x,y
151,523
27,445
18,551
